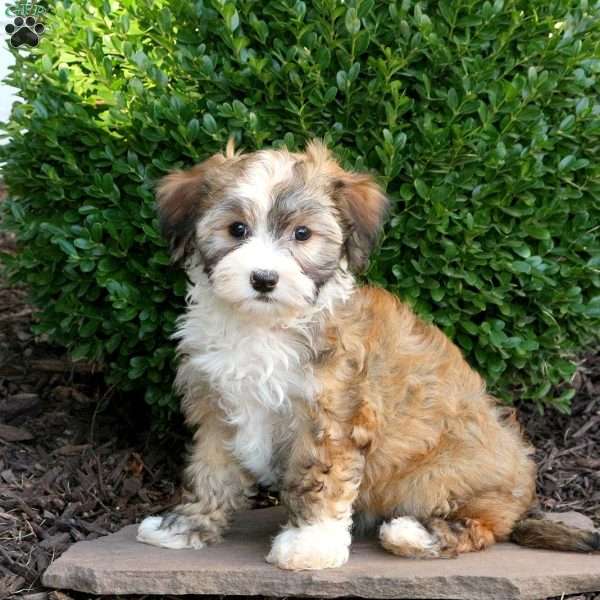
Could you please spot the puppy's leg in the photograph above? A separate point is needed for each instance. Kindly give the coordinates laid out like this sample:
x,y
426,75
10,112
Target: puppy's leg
x,y
407,537
216,487
434,538
320,485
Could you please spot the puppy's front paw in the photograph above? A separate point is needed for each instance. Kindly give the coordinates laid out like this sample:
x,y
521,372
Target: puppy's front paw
x,y
171,531
324,545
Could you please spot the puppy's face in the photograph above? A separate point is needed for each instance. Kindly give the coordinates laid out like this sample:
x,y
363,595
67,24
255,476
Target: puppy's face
x,y
271,228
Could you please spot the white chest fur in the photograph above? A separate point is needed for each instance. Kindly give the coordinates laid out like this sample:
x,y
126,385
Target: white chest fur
x,y
258,373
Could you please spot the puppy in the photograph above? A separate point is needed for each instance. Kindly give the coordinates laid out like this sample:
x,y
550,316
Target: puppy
x,y
294,377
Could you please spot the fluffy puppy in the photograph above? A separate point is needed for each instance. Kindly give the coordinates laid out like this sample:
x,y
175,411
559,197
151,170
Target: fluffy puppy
x,y
338,395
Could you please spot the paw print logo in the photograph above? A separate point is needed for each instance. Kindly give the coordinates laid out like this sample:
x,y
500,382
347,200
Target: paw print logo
x,y
24,31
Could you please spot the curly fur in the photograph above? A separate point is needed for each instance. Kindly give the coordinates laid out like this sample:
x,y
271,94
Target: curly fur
x,y
336,394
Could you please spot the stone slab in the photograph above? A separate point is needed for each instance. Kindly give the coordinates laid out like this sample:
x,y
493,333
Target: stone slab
x,y
117,564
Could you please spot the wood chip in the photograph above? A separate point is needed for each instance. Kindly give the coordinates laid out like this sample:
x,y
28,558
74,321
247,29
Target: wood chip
x,y
35,596
8,433
55,541
586,426
18,404
64,366
72,450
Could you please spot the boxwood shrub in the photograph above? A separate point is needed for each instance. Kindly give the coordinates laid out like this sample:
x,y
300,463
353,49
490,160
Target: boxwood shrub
x,y
482,119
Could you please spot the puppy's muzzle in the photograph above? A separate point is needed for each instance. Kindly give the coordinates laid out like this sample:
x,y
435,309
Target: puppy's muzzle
x,y
264,281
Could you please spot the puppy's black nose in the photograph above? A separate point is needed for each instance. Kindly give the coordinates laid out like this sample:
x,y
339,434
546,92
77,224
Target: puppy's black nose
x,y
264,281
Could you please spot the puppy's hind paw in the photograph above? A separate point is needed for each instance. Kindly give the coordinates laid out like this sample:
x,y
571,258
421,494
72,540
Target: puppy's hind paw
x,y
405,536
323,545
172,531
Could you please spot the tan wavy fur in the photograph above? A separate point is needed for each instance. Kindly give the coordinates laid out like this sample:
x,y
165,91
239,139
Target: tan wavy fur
x,y
338,395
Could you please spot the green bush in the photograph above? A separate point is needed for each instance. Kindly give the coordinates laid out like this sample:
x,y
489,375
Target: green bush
x,y
482,118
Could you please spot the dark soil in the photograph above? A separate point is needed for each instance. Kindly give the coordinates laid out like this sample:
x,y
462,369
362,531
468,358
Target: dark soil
x,y
70,470
568,447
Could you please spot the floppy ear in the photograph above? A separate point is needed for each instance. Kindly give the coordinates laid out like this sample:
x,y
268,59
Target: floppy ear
x,y
363,207
182,196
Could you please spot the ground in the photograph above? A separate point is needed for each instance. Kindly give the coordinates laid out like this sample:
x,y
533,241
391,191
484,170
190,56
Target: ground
x,y
71,470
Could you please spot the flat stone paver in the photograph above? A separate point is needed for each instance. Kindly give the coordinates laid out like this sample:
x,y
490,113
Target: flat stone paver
x,y
117,564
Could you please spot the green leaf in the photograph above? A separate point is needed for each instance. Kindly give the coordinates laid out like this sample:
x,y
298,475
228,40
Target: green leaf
x,y
422,189
537,231
83,244
437,294
352,21
209,123
521,266
566,162
231,16
67,247
452,99
193,128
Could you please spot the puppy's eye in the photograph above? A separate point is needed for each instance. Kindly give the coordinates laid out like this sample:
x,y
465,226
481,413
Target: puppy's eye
x,y
302,233
238,230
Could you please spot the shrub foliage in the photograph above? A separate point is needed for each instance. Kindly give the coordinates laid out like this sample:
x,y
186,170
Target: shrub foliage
x,y
481,118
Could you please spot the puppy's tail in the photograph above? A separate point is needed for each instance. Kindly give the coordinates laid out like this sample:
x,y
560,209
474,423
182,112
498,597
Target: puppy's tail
x,y
550,535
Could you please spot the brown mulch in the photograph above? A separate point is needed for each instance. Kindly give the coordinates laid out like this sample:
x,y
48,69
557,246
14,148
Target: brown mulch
x,y
71,470
68,471
568,447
